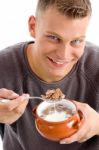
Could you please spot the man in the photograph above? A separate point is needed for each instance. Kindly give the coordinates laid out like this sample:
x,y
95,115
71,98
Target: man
x,y
59,58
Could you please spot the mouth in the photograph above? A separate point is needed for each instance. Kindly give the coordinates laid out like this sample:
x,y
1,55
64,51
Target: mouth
x,y
58,62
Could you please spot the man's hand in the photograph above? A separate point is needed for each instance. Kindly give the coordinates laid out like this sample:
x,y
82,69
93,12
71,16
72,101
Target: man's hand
x,y
89,128
12,110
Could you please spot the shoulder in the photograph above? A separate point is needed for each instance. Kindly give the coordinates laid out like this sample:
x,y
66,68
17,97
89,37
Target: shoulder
x,y
12,61
13,54
91,52
13,49
90,56
89,64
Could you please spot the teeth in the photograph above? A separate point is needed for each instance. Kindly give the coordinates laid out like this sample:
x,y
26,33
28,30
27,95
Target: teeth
x,y
59,63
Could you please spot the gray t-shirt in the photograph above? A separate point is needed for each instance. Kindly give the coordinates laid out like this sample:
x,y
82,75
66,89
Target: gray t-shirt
x,y
81,84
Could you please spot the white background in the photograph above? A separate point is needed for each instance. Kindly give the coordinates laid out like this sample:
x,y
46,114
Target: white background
x,y
14,22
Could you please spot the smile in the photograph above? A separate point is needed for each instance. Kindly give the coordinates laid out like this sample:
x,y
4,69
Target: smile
x,y
58,63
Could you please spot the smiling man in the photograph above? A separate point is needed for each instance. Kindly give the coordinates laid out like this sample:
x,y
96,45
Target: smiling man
x,y
61,58
59,43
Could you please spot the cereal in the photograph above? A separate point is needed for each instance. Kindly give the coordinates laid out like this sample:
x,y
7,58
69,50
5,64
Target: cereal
x,y
55,94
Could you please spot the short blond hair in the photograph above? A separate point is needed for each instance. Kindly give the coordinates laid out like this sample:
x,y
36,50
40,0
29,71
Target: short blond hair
x,y
70,8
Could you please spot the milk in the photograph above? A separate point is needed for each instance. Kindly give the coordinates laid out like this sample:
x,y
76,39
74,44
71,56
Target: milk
x,y
56,116
56,111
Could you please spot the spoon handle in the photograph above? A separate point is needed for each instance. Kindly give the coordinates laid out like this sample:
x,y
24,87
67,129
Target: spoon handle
x,y
31,97
36,97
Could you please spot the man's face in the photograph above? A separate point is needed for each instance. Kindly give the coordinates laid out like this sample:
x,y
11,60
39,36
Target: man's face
x,y
59,44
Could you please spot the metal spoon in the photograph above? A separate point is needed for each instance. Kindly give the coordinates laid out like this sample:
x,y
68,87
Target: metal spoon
x,y
31,97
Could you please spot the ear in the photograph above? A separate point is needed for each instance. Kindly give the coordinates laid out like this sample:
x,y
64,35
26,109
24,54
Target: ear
x,y
31,25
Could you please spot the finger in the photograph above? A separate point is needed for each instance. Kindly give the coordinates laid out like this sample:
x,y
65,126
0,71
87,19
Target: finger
x,y
69,140
21,108
83,140
7,117
18,101
12,104
78,136
11,116
5,93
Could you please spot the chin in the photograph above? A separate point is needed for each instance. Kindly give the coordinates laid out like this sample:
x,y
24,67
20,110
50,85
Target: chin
x,y
57,76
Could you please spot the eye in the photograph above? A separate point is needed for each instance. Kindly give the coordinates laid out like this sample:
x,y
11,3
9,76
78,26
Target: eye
x,y
76,42
53,38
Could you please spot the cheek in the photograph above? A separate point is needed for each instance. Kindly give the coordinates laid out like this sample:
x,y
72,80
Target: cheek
x,y
78,53
46,47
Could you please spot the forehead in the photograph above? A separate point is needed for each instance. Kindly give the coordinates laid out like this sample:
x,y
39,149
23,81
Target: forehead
x,y
52,15
54,21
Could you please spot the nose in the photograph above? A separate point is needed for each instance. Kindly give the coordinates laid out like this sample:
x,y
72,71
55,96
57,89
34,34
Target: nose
x,y
64,51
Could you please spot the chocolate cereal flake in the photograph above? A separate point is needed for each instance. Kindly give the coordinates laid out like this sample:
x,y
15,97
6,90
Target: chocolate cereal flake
x,y
54,94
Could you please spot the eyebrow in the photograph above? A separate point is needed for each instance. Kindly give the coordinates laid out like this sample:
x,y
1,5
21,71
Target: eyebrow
x,y
53,33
